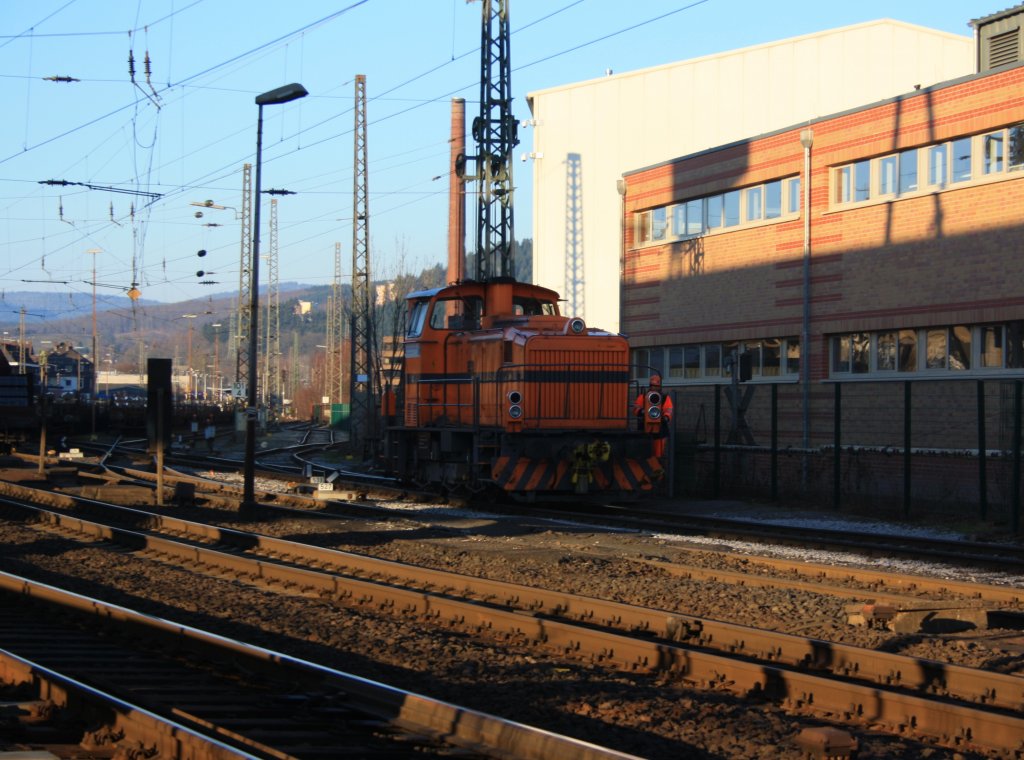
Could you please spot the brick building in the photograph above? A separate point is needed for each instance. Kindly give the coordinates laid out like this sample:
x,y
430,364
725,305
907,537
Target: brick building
x,y
586,134
868,264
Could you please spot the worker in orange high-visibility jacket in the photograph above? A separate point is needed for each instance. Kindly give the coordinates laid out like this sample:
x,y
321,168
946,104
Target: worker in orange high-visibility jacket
x,y
667,412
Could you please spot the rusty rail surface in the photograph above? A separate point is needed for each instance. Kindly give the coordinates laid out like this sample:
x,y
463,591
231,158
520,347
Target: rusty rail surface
x,y
963,706
270,705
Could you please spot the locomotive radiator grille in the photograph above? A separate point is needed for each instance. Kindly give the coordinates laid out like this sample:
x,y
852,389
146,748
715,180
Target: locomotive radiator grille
x,y
577,387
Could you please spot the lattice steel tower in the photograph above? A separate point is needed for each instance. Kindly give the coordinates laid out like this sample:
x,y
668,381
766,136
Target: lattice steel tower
x,y
362,376
495,131
243,320
574,280
336,341
272,358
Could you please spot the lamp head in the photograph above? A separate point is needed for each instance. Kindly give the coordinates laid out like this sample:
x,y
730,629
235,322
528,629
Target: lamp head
x,y
284,94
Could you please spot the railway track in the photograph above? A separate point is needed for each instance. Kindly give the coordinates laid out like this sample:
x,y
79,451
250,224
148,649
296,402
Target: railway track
x,y
1002,556
144,686
958,707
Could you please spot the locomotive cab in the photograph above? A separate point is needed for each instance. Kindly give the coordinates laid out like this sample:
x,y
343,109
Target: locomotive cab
x,y
500,389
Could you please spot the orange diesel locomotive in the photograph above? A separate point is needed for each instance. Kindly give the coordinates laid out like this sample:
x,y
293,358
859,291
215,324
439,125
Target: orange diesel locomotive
x,y
501,391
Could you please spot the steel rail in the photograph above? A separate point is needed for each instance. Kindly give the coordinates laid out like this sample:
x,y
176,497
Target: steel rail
x,y
114,716
406,711
942,698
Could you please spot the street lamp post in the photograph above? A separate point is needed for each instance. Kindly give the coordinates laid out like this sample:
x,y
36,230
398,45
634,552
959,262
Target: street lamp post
x,y
285,94
95,364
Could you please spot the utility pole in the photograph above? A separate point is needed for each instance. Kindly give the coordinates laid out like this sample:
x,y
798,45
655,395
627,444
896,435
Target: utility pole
x,y
361,377
243,317
21,342
188,360
95,354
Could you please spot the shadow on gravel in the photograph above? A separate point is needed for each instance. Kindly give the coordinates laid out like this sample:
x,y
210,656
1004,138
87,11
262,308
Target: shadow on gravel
x,y
568,698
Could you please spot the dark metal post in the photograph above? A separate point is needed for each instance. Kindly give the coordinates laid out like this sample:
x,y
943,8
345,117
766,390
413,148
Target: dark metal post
x,y
672,453
160,453
906,448
1015,516
251,413
837,421
982,474
716,471
775,441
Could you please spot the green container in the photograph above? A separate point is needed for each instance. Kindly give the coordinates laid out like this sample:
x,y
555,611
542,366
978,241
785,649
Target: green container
x,y
340,416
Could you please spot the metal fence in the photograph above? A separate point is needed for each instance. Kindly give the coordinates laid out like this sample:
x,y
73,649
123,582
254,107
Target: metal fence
x,y
895,448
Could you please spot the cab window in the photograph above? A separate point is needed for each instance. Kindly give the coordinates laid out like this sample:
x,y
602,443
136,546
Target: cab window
x,y
532,307
457,314
417,316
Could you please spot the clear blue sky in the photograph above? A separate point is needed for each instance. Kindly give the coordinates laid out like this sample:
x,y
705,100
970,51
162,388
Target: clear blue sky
x,y
186,133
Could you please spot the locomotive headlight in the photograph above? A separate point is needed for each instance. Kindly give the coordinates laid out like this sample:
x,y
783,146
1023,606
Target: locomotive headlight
x,y
577,325
653,398
654,412
515,411
514,397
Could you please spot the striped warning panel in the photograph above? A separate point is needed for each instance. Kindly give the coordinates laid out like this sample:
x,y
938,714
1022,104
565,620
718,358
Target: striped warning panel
x,y
523,474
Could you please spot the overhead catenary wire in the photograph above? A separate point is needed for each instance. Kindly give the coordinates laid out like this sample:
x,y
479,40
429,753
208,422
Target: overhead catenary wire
x,y
189,185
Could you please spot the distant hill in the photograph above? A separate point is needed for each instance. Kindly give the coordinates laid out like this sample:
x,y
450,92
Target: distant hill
x,y
57,305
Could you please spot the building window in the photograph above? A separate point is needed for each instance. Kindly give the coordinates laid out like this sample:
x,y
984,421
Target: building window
x,y
855,182
647,362
755,199
731,203
792,356
851,353
1015,144
770,358
713,360
716,210
944,164
937,169
961,162
691,362
908,171
659,223
793,194
697,216
643,228
675,361
887,176
908,351
992,346
773,200
961,349
993,153
885,352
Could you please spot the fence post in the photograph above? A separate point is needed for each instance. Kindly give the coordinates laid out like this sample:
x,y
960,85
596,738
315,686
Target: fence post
x,y
837,420
716,470
1017,385
775,442
982,474
906,448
